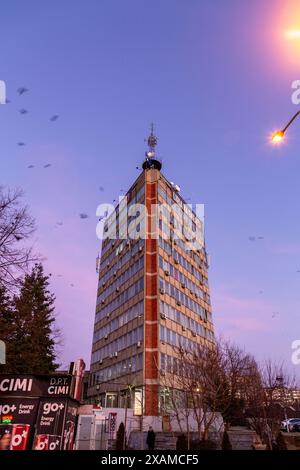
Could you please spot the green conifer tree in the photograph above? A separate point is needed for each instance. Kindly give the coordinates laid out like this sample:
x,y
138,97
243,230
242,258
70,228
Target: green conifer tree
x,y
33,337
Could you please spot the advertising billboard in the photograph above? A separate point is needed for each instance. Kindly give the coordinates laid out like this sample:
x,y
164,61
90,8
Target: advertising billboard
x,y
20,385
38,412
17,419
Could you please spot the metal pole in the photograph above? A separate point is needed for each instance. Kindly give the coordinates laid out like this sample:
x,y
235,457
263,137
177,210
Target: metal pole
x,y
290,121
125,420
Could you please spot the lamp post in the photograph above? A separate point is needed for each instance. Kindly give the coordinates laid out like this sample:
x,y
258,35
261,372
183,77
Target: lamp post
x,y
98,394
279,135
127,395
280,384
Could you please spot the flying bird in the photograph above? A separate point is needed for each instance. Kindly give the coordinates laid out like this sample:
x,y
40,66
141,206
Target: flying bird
x,y
23,111
22,90
101,188
54,117
59,275
251,239
72,285
260,238
47,165
59,223
30,166
274,314
20,144
83,216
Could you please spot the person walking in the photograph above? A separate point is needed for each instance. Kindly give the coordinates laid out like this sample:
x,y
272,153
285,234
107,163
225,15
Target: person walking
x,y
150,441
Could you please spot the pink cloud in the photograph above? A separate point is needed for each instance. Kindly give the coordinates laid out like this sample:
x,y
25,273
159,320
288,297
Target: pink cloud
x,y
236,315
286,249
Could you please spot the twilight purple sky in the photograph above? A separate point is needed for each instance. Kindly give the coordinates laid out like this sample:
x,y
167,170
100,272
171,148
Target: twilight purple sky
x,y
215,77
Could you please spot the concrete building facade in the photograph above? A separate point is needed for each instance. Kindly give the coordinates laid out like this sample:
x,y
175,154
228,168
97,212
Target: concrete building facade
x,y
153,294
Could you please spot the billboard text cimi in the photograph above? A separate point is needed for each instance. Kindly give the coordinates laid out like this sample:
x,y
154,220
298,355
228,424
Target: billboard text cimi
x,y
56,385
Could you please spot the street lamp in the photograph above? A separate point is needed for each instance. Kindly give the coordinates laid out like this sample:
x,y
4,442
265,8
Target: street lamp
x,y
280,384
98,394
279,135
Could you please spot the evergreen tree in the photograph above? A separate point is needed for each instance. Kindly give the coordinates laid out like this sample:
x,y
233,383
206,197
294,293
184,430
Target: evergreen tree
x,y
33,331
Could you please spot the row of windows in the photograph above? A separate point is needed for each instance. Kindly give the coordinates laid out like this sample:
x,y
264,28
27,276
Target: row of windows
x,y
170,249
171,364
180,204
120,280
184,263
181,298
134,226
182,234
117,218
180,277
174,315
125,341
127,294
193,248
121,255
127,366
125,317
175,339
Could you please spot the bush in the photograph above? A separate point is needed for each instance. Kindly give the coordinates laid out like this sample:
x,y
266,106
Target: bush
x,y
203,445
181,443
120,437
226,445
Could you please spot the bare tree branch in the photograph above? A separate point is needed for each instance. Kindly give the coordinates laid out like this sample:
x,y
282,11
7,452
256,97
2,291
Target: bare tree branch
x,y
16,228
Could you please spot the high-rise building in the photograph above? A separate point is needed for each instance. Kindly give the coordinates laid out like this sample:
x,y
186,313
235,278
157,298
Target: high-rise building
x,y
153,294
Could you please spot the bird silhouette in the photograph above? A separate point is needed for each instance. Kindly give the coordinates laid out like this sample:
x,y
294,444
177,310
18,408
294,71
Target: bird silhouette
x,y
22,90
251,239
23,111
21,144
30,166
101,188
47,165
83,216
54,117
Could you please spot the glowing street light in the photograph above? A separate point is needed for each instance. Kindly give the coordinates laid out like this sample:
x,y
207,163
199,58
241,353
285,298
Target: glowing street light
x,y
293,34
279,135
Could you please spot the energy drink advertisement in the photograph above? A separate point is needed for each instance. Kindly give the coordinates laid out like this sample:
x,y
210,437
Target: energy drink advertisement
x,y
46,442
50,424
70,427
17,419
39,411
14,436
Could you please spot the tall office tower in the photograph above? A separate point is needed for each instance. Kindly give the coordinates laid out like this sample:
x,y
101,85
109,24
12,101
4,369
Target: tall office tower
x,y
153,295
